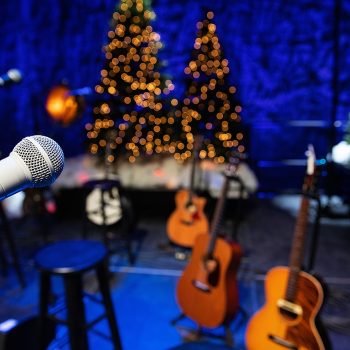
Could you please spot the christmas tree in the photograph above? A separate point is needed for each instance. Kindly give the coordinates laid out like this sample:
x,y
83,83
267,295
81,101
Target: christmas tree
x,y
210,107
132,89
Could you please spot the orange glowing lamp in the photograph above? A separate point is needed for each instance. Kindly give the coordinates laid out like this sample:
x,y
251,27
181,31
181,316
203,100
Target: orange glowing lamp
x,y
61,105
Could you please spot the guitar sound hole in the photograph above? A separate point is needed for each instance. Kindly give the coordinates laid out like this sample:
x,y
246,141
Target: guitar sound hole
x,y
212,266
288,314
213,277
189,205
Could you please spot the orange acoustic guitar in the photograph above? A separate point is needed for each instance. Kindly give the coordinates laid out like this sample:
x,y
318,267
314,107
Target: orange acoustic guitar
x,y
293,297
207,291
188,220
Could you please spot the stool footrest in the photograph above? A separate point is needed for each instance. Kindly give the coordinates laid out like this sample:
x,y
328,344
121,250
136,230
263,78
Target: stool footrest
x,y
85,326
95,321
60,304
94,298
101,334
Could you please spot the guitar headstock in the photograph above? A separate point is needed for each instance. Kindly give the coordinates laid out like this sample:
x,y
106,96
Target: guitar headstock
x,y
309,182
311,160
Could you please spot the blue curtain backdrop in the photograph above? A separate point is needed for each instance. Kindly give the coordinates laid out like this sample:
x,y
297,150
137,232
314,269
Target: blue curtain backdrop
x,y
290,61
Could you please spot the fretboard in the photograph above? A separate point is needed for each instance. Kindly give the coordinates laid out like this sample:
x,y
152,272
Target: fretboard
x,y
297,252
193,171
216,222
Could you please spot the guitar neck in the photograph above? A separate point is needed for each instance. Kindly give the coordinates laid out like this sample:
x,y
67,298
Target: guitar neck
x,y
297,252
216,222
193,170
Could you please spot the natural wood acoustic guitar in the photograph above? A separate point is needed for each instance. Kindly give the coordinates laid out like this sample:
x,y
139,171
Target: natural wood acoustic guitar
x,y
188,220
207,291
293,296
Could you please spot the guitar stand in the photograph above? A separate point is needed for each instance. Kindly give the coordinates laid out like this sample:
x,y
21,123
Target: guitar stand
x,y
191,334
311,260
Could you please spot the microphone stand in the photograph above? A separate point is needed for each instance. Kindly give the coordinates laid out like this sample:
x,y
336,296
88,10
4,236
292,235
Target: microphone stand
x,y
8,234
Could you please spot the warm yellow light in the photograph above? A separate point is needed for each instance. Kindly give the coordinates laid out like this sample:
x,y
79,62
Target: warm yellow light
x,y
232,89
99,89
112,90
212,27
241,149
210,15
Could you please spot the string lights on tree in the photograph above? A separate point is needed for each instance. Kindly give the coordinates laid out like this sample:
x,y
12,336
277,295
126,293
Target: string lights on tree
x,y
210,107
132,89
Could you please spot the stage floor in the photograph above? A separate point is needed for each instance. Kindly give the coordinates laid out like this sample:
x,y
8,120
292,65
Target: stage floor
x,y
144,293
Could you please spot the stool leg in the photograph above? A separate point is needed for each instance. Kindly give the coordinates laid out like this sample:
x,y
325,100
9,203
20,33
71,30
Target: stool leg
x,y
44,300
102,276
76,313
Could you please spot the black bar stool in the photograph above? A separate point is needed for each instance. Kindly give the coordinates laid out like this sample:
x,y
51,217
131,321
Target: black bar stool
x,y
70,260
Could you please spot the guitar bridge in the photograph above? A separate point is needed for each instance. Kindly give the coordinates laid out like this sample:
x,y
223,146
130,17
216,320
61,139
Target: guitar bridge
x,y
280,341
202,286
187,222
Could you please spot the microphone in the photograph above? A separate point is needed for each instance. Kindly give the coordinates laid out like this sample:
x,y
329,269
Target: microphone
x,y
36,161
12,76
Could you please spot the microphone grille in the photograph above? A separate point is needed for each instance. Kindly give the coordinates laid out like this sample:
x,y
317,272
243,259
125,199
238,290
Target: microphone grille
x,y
46,163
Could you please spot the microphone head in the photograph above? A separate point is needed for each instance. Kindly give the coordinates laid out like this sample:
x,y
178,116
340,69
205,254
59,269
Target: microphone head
x,y
15,75
43,157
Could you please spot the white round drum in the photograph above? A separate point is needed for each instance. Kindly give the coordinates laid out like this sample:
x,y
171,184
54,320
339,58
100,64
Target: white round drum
x,y
112,206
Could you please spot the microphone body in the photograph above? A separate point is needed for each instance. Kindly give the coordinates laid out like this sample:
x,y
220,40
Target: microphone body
x,y
12,76
14,176
36,161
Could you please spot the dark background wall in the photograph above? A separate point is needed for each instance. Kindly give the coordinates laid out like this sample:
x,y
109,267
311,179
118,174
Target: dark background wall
x,y
290,61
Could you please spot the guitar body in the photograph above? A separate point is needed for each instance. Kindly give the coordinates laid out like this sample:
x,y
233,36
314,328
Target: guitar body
x,y
269,322
210,299
187,221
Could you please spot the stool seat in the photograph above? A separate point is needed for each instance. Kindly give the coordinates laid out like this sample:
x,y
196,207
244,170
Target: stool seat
x,y
73,256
